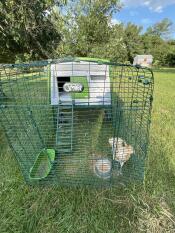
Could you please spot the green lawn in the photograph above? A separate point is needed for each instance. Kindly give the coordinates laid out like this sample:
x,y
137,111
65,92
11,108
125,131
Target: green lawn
x,y
147,209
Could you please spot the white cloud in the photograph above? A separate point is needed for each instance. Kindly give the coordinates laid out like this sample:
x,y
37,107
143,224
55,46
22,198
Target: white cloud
x,y
154,5
158,9
115,21
146,3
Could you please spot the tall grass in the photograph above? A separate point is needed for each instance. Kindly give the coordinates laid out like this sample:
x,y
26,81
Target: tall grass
x,y
148,208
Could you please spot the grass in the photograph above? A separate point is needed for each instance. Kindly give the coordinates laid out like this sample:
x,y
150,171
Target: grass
x,y
149,208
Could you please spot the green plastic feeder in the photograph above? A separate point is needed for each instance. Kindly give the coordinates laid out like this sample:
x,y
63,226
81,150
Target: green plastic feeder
x,y
42,164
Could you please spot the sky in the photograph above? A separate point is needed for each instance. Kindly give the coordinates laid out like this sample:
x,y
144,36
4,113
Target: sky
x,y
146,12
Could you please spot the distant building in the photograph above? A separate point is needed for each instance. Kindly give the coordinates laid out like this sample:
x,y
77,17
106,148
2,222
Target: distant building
x,y
143,60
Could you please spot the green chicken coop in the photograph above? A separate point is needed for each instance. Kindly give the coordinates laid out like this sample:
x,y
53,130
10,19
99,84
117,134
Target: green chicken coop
x,y
77,121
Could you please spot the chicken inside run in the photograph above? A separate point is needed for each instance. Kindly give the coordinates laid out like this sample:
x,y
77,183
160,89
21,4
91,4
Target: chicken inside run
x,y
78,121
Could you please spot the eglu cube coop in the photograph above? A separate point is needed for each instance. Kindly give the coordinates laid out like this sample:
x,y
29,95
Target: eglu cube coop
x,y
77,121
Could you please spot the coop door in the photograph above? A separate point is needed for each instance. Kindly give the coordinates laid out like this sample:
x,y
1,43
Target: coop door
x,y
61,81
62,94
97,86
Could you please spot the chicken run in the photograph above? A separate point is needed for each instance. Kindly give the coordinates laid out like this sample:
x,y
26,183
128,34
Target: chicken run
x,y
77,121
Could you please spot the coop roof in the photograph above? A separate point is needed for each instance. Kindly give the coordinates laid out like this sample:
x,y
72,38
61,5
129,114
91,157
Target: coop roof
x,y
81,68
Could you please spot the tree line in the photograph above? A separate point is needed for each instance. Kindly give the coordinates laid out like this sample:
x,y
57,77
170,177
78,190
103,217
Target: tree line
x,y
42,29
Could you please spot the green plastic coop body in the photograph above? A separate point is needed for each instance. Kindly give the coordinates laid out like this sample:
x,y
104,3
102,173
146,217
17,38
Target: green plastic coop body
x,y
77,121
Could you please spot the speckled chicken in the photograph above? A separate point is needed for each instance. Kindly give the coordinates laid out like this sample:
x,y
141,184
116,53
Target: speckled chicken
x,y
121,150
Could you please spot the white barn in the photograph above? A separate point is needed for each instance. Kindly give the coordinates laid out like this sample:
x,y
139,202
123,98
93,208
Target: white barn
x,y
143,60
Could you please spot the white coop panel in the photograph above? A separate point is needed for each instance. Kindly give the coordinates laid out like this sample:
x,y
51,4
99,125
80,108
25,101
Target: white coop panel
x,y
96,76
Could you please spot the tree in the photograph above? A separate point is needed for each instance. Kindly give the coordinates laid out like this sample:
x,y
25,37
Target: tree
x,y
116,47
161,29
170,57
27,27
132,41
154,43
88,28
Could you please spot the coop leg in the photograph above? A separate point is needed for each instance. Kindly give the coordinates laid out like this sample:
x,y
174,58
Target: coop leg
x,y
120,169
1,90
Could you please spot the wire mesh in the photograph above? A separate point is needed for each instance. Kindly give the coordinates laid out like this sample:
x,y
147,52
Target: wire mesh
x,y
75,122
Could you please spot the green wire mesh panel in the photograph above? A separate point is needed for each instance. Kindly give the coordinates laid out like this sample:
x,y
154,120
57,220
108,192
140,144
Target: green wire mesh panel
x,y
77,122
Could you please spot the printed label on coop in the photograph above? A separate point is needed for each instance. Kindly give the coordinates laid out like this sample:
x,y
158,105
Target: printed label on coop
x,y
73,87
